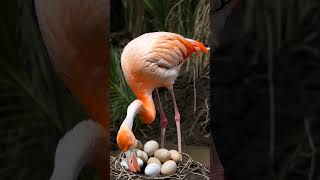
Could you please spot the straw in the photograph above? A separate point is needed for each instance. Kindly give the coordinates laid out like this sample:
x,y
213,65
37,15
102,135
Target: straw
x,y
187,169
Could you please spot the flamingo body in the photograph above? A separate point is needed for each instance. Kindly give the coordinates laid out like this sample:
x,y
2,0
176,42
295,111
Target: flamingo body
x,y
153,60
148,62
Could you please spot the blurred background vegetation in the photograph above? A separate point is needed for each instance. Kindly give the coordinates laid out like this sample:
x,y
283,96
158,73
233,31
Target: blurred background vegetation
x,y
35,107
266,89
190,18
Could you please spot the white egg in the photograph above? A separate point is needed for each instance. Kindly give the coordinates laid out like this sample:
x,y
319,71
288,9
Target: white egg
x,y
163,155
154,160
152,169
124,164
140,162
142,155
150,147
175,155
169,167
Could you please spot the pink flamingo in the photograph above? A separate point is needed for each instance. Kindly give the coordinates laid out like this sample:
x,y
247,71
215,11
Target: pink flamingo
x,y
151,61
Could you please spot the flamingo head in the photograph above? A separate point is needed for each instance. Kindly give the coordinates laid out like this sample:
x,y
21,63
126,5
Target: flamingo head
x,y
127,143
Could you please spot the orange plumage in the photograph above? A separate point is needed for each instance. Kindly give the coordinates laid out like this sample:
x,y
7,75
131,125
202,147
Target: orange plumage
x,y
75,34
148,62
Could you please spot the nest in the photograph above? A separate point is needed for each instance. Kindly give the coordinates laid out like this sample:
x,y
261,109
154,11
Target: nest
x,y
187,169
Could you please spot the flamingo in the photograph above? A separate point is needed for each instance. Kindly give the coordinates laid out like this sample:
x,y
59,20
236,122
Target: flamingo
x,y
148,62
75,35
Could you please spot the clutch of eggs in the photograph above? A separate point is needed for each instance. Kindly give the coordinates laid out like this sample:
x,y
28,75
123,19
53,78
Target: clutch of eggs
x,y
155,160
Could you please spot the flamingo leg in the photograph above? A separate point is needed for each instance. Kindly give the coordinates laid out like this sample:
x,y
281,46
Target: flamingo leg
x,y
217,168
163,119
176,118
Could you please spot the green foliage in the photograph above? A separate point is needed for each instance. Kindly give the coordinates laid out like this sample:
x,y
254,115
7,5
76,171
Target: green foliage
x,y
156,13
134,17
35,108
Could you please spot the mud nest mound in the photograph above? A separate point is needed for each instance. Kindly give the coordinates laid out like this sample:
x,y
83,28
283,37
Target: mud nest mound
x,y
187,169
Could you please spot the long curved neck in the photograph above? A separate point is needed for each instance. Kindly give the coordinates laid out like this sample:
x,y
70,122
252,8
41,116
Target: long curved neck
x,y
148,111
65,171
84,144
144,106
132,110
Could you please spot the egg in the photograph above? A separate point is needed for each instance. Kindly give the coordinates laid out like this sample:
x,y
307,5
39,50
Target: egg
x,y
169,167
163,155
139,145
140,162
152,169
154,160
124,164
175,156
142,155
150,147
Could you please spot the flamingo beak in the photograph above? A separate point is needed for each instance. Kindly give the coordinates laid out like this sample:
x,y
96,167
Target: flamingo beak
x,y
132,161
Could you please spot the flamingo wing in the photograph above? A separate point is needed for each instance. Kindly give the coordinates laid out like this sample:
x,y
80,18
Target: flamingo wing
x,y
154,59
168,50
